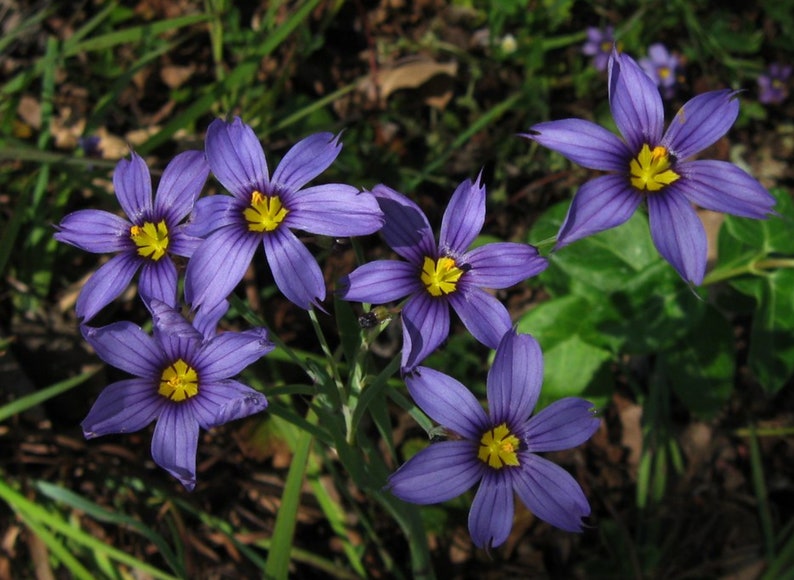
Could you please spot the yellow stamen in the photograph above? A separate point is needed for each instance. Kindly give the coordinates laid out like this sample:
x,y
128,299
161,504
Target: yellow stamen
x,y
179,382
266,212
151,239
440,276
663,72
499,447
651,169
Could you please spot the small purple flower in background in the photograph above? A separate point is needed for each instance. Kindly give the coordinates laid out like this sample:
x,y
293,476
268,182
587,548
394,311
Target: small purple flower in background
x,y
663,67
90,145
498,449
181,380
152,231
773,86
437,276
599,45
651,165
264,210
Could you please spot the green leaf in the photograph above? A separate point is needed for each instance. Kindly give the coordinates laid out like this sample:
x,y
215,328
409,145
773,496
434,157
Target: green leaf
x,y
769,235
575,368
771,355
701,369
597,264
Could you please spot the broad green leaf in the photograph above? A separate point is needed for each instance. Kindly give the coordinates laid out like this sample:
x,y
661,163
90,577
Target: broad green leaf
x,y
597,264
556,320
701,369
772,337
769,235
572,369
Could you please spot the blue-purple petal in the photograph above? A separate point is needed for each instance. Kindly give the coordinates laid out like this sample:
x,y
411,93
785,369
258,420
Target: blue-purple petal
x,y
207,318
380,281
482,314
177,336
600,204
236,158
425,327
133,186
175,442
307,159
218,265
333,209
514,380
406,229
127,347
295,270
491,515
635,103
219,402
564,424
583,142
700,122
123,407
182,244
180,186
447,402
721,186
228,353
96,231
463,219
550,492
214,212
106,284
503,264
678,234
158,280
438,473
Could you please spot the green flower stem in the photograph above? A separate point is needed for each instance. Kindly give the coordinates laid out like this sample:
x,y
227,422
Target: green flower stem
x,y
333,363
756,268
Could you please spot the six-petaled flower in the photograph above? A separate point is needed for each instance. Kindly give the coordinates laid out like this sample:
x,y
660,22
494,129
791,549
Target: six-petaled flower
x,y
264,210
653,165
182,378
499,448
437,276
152,231
599,45
663,67
773,85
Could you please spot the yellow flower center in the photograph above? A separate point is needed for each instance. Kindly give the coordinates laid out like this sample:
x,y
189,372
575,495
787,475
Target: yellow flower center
x,y
266,212
651,169
663,72
179,382
499,447
440,276
151,239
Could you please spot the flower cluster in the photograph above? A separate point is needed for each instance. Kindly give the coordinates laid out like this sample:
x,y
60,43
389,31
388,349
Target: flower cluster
x,y
183,374
662,66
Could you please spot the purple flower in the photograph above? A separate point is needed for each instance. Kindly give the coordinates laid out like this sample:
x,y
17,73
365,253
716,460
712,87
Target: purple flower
x,y
264,210
651,164
152,231
773,85
663,67
437,276
498,449
181,380
599,45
